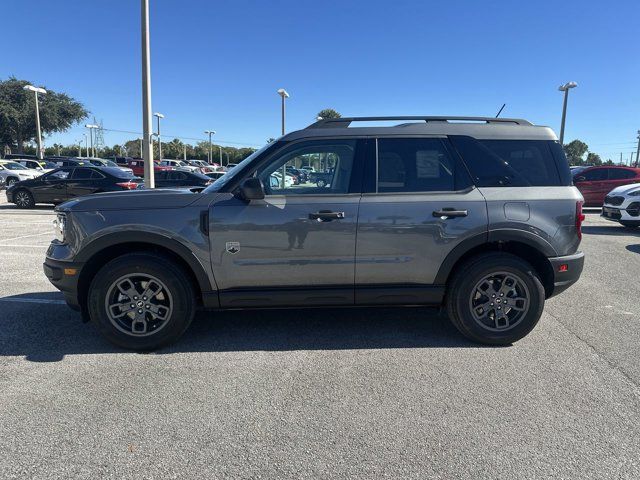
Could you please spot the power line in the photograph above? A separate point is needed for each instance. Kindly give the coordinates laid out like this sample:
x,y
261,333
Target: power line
x,y
183,138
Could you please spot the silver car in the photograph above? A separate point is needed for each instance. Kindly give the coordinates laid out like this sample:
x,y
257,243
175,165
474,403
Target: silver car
x,y
477,215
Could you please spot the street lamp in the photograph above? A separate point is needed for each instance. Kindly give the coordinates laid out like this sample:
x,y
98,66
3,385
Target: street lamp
x,y
638,150
86,145
565,88
283,94
159,116
210,133
37,90
91,128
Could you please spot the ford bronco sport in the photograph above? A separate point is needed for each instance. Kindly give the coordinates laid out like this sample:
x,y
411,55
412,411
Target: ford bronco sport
x,y
478,215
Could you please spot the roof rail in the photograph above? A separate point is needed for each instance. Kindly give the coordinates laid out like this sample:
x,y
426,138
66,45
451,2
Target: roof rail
x,y
344,122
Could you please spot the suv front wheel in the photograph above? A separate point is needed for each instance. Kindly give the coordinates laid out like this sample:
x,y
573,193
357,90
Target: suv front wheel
x,y
495,298
141,301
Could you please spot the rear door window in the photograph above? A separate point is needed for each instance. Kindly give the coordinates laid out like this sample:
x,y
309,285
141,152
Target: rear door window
x,y
418,165
621,174
595,175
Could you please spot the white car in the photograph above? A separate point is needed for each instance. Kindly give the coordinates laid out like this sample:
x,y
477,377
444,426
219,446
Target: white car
x,y
43,167
179,165
13,172
622,204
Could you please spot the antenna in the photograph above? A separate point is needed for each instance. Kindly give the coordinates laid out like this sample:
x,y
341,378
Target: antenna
x,y
500,111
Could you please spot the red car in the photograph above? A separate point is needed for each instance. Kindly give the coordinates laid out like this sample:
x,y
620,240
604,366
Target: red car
x,y
138,167
595,182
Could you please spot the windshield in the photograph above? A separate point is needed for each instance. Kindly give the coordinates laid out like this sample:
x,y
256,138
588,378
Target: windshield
x,y
14,166
240,168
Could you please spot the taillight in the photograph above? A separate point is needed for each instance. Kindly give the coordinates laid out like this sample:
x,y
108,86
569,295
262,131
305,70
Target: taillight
x,y
128,185
579,218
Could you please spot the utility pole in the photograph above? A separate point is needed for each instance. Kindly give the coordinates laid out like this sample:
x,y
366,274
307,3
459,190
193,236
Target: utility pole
x,y
620,158
638,150
86,145
210,155
149,179
36,90
220,151
184,151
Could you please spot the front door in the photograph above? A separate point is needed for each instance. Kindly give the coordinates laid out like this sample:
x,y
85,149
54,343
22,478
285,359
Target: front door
x,y
52,187
297,246
419,205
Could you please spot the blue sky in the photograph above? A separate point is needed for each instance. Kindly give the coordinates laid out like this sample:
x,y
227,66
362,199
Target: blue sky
x,y
218,64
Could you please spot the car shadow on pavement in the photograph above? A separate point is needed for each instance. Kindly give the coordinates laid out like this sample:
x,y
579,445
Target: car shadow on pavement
x,y
635,248
609,230
11,206
48,332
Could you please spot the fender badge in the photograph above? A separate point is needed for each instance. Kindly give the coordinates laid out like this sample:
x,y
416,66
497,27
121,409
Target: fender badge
x,y
233,247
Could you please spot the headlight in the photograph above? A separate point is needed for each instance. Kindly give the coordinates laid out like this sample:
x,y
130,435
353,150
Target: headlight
x,y
635,193
58,226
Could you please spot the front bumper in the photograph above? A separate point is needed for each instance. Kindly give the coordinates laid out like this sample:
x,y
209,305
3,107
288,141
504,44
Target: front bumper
x,y
566,271
629,211
64,276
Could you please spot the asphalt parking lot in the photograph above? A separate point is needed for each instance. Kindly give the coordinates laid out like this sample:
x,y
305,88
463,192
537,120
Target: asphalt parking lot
x,y
369,393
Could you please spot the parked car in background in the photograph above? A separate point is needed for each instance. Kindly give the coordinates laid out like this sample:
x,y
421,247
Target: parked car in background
x,y
622,204
308,169
301,175
43,166
595,182
322,179
123,161
71,162
66,183
179,165
179,178
15,156
13,172
137,166
202,166
102,162
231,165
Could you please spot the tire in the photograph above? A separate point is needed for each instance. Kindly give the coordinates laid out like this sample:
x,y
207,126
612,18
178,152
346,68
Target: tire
x,y
630,224
174,300
484,273
321,183
23,199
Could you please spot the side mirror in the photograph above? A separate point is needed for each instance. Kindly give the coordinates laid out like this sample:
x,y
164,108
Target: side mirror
x,y
252,189
579,179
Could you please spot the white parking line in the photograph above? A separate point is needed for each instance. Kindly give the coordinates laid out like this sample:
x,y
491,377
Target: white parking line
x,y
33,300
25,236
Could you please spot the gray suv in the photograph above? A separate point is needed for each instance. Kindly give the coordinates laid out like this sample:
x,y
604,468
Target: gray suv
x,y
478,215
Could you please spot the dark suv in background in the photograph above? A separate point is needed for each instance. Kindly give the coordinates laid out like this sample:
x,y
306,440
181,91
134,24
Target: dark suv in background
x,y
476,214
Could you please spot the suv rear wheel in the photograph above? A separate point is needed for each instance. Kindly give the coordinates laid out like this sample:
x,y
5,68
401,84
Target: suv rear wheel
x,y
141,301
495,298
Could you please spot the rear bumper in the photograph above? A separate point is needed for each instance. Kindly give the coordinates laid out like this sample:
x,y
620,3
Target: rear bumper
x,y
64,276
566,271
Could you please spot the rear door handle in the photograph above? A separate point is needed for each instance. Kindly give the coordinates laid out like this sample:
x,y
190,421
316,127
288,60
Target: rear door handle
x,y
450,213
326,216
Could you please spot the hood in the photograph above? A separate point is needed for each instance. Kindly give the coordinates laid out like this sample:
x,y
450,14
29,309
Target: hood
x,y
625,189
131,200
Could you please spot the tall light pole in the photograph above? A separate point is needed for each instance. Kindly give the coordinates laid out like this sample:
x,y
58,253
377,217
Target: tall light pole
x,y
140,140
210,133
283,94
159,116
80,148
147,148
220,152
37,90
638,150
86,144
91,128
565,88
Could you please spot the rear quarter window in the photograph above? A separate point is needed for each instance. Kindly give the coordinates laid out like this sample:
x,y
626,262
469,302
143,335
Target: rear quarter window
x,y
514,163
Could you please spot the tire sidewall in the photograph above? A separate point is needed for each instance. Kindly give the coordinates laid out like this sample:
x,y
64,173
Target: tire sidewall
x,y
475,272
166,271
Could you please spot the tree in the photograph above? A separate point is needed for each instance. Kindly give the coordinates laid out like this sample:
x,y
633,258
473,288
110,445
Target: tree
x,y
574,152
593,159
58,112
328,113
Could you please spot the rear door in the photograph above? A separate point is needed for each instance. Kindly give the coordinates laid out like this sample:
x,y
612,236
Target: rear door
x,y
84,181
592,183
418,205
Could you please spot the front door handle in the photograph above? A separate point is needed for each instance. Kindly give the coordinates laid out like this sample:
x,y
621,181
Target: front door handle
x,y
450,213
326,216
